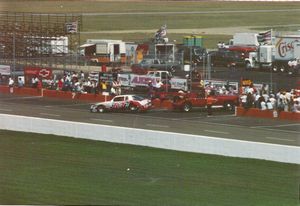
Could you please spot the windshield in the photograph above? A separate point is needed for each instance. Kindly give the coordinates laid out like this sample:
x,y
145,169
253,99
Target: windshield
x,y
137,98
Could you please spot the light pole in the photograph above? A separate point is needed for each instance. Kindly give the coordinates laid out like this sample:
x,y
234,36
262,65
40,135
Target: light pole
x,y
166,66
14,55
271,79
191,68
2,53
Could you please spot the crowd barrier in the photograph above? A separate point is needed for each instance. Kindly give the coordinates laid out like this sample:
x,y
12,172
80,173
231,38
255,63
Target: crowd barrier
x,y
157,103
55,94
272,114
150,138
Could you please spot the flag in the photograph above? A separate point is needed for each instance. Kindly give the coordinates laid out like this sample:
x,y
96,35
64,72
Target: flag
x,y
265,37
162,32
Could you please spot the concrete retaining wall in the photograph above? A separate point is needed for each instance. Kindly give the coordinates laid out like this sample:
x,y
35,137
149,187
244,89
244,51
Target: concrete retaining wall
x,y
258,113
158,139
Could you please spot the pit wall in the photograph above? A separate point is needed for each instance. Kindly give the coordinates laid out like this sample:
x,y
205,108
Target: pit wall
x,y
150,138
271,114
69,95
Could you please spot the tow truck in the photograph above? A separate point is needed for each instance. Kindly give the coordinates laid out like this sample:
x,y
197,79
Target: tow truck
x,y
186,101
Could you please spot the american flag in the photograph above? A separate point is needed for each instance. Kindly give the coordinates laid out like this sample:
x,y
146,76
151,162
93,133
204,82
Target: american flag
x,y
265,37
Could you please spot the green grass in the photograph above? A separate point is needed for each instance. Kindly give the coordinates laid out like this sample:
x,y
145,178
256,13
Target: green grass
x,y
188,21
273,20
48,169
67,6
209,41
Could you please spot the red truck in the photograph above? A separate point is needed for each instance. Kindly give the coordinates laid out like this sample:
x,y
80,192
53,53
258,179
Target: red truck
x,y
186,101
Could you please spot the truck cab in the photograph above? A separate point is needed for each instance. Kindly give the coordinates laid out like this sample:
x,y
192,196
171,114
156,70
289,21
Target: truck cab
x,y
154,64
160,74
260,59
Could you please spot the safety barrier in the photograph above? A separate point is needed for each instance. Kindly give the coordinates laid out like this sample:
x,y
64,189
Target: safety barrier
x,y
21,91
254,112
157,139
157,103
55,94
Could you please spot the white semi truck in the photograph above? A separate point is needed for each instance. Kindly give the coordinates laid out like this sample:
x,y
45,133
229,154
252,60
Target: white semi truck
x,y
276,56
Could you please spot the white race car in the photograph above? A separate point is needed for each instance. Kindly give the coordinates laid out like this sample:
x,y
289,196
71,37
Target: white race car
x,y
132,103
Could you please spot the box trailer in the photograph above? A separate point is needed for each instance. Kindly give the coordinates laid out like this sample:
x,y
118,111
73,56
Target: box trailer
x,y
277,56
105,51
246,39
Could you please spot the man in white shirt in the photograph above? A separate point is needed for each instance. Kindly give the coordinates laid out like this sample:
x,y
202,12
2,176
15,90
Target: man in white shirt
x,y
158,85
244,100
263,105
269,105
11,83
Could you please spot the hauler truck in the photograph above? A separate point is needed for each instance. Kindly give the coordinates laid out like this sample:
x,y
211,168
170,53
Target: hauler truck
x,y
276,56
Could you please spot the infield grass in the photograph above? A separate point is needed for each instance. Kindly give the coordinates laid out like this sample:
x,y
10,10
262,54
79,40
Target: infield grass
x,y
282,21
48,169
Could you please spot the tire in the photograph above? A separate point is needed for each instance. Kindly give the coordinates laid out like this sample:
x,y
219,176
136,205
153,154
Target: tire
x,y
282,69
172,69
101,109
228,106
94,110
133,108
187,107
274,68
248,66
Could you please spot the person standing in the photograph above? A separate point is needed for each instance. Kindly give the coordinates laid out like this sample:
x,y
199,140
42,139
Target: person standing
x,y
11,83
210,100
20,82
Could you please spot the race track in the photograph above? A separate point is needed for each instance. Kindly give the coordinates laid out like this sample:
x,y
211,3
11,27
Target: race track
x,y
221,124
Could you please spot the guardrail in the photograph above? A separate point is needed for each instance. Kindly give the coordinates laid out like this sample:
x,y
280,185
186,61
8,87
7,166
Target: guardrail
x,y
150,138
273,114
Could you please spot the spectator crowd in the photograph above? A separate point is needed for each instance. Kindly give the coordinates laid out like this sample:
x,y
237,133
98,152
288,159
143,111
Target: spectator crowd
x,y
288,101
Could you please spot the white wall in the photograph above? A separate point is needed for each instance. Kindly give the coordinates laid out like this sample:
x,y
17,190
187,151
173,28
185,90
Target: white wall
x,y
158,139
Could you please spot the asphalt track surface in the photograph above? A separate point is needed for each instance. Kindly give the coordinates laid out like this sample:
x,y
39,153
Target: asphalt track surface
x,y
222,124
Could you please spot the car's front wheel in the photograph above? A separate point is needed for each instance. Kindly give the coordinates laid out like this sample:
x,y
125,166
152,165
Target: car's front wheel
x,y
94,110
101,109
187,107
229,106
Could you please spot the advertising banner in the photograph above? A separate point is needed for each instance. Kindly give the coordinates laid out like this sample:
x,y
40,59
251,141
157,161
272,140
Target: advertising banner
x,y
43,73
5,70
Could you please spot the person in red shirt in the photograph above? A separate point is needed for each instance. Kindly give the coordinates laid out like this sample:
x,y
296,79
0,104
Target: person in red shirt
x,y
39,84
60,84
210,100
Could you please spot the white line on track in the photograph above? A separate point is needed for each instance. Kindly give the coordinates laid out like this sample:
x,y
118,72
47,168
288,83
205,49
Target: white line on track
x,y
276,138
283,125
213,131
157,125
6,110
203,117
102,120
16,98
279,130
48,114
67,105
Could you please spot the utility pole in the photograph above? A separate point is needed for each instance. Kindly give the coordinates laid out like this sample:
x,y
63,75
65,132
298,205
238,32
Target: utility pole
x,y
190,79
14,55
